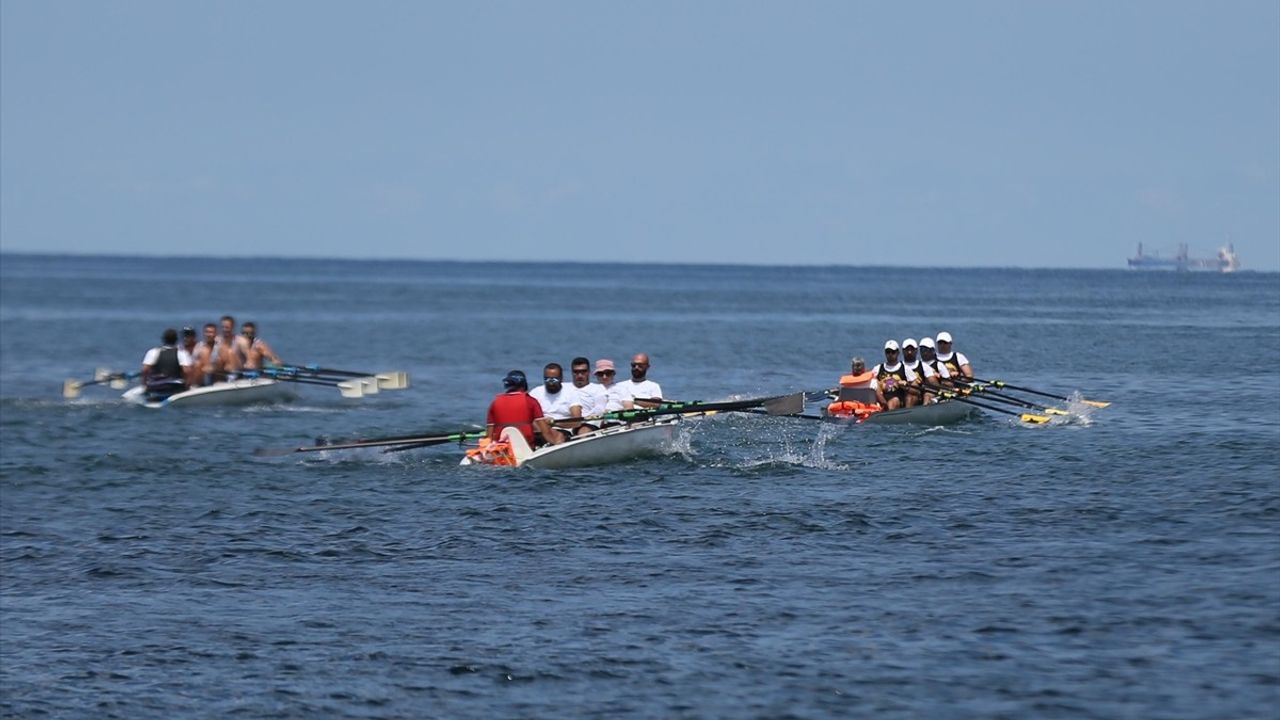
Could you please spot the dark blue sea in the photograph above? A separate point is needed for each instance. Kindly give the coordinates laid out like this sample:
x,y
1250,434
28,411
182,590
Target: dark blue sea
x,y
1118,563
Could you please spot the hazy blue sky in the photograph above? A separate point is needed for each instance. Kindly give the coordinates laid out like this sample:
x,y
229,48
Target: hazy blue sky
x,y
1031,134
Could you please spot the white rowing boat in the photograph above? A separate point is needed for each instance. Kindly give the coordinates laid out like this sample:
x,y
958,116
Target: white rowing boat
x,y
608,445
246,391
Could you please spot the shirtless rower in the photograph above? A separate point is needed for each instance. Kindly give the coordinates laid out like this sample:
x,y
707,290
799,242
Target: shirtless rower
x,y
205,356
253,348
229,360
191,373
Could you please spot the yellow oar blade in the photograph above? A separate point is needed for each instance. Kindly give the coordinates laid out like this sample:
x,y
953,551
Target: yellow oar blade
x,y
1096,403
1036,419
1054,411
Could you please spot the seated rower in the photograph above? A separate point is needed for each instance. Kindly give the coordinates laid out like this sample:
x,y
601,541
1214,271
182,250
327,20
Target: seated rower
x,y
640,390
557,402
892,379
204,360
956,363
164,368
929,359
189,343
918,393
594,397
254,349
229,360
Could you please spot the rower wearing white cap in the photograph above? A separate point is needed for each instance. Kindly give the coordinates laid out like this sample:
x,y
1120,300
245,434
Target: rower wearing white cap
x,y
956,363
892,378
918,395
929,360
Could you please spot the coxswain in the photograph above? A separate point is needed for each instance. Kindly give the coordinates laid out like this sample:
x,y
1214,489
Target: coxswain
x,y
558,402
253,348
164,368
956,363
639,389
514,408
892,379
855,395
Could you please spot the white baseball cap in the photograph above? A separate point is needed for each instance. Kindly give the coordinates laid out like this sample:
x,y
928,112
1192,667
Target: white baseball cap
x,y
891,345
909,342
926,342
944,337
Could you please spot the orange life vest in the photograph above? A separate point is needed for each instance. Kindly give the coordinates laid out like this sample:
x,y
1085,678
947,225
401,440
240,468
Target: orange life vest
x,y
492,452
863,380
852,408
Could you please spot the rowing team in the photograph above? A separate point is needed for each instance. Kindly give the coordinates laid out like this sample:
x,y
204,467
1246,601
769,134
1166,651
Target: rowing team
x,y
172,368
911,372
553,400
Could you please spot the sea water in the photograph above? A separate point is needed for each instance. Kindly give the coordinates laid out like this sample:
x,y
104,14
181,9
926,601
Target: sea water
x,y
1118,562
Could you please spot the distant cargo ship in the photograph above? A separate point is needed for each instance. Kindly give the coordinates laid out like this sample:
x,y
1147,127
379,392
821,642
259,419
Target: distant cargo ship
x,y
1225,262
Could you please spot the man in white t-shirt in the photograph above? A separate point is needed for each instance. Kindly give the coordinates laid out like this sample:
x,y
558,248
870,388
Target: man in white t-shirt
x,y
639,389
559,402
165,368
594,397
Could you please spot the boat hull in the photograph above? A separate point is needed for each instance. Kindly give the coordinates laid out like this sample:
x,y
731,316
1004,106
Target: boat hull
x,y
602,447
947,412
248,391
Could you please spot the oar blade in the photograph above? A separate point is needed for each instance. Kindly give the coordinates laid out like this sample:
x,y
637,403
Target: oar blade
x,y
1035,419
119,382
786,405
398,380
1096,403
102,374
71,389
352,389
369,385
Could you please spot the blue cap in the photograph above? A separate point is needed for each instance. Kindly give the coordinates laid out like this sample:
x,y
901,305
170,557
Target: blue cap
x,y
515,379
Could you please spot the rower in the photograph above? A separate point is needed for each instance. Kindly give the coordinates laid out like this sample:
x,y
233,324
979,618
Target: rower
x,y
639,389
164,368
929,359
189,343
605,373
594,397
892,378
253,348
925,375
230,361
956,363
557,401
204,359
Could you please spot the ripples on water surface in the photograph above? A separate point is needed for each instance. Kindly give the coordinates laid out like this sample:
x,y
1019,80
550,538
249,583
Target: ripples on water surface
x,y
1124,564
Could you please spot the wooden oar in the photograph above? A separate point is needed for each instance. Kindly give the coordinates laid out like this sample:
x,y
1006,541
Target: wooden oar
x,y
414,440
349,388
986,393
116,380
1002,384
950,395
394,380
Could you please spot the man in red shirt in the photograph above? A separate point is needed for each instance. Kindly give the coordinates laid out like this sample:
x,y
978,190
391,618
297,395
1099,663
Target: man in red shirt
x,y
514,408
